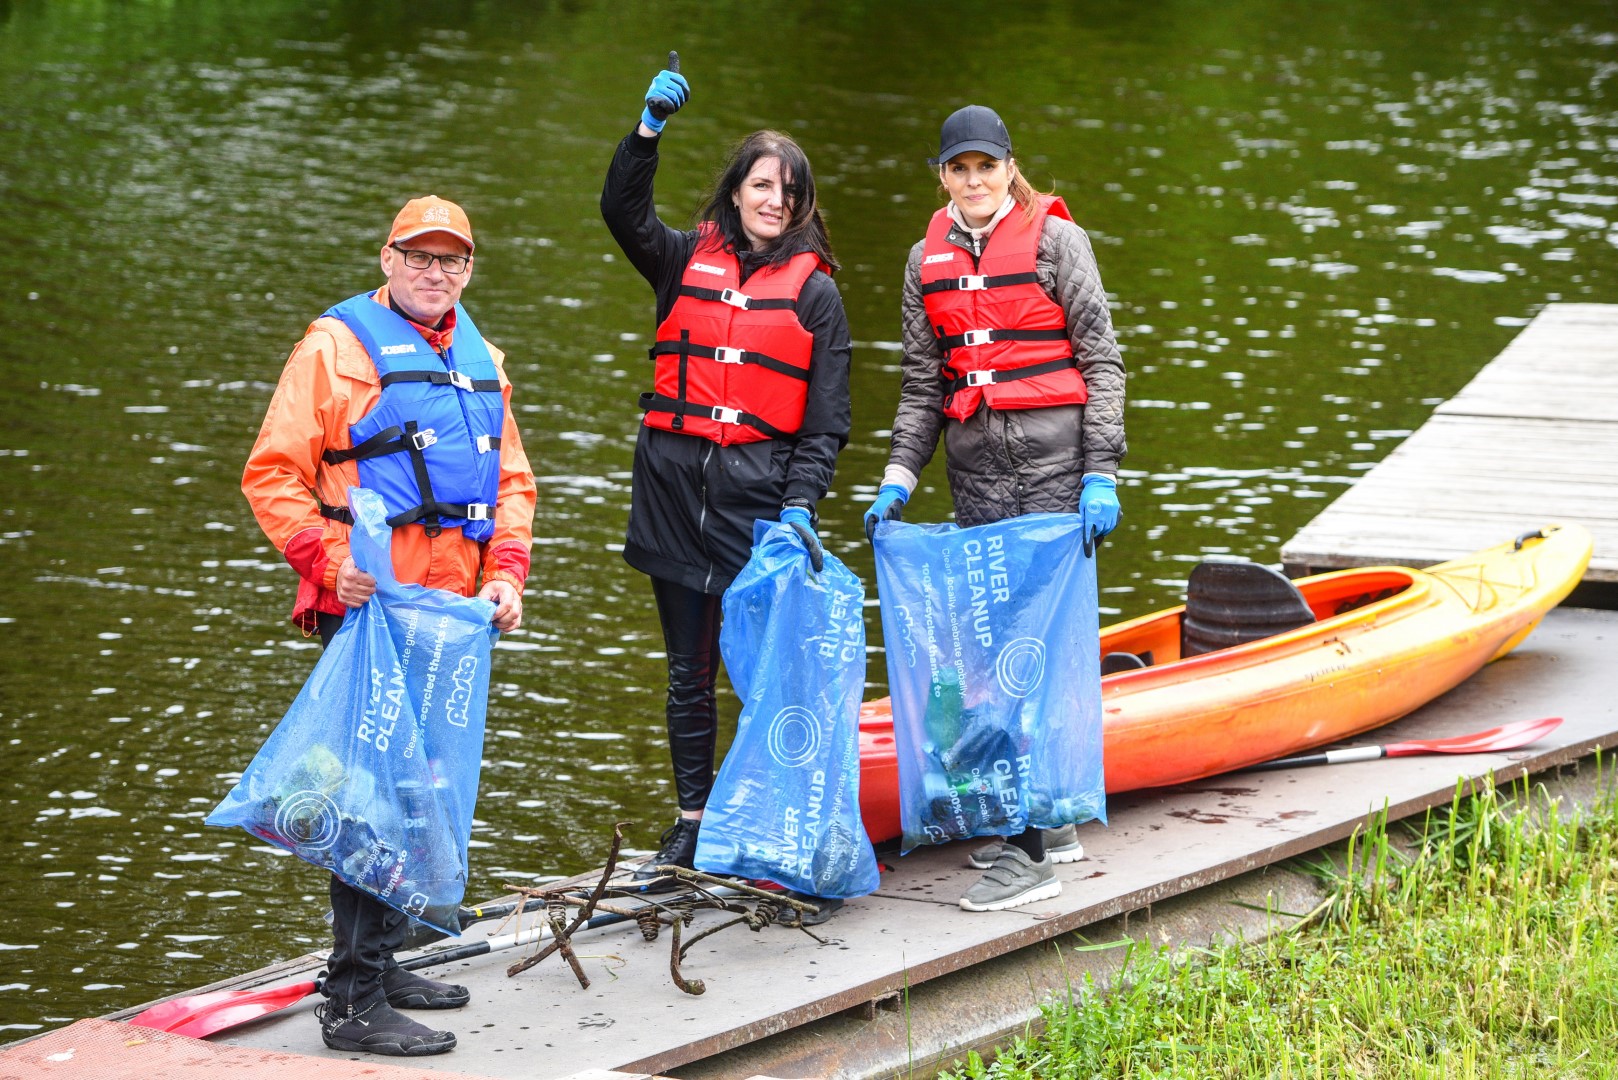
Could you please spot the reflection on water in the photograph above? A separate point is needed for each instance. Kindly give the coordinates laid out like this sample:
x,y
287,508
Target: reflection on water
x,y
1315,225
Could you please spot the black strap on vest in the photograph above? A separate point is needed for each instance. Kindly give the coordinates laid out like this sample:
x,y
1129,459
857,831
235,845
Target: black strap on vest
x,y
472,512
974,282
990,376
956,341
336,513
426,512
653,402
709,352
739,299
442,378
387,441
685,361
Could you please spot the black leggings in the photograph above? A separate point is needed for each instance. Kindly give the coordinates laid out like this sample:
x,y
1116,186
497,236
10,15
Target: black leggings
x,y
365,931
691,640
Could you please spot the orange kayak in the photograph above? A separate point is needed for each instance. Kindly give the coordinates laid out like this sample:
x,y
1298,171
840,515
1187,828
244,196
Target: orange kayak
x,y
1383,641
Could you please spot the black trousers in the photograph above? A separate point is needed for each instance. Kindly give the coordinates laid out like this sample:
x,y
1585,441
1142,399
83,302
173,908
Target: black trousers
x,y
365,931
691,639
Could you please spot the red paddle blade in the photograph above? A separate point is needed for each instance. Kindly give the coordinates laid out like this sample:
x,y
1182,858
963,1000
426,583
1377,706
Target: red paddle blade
x,y
1505,737
201,1015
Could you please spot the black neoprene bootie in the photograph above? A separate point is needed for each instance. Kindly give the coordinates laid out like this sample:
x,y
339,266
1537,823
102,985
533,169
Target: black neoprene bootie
x,y
371,1026
407,990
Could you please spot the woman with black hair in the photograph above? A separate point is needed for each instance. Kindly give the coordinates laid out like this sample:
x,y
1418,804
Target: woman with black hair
x,y
748,409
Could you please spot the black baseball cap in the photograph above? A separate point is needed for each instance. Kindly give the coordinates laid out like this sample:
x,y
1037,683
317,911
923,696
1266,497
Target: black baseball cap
x,y
976,127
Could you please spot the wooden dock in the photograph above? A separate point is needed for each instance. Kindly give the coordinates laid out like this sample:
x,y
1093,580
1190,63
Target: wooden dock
x,y
904,977
1532,439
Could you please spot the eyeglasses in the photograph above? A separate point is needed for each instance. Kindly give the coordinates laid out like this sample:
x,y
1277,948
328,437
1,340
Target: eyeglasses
x,y
421,260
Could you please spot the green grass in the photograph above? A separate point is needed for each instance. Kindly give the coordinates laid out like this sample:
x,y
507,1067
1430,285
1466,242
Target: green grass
x,y
1480,942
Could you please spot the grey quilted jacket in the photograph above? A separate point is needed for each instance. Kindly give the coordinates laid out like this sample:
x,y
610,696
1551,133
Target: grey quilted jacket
x,y
1003,463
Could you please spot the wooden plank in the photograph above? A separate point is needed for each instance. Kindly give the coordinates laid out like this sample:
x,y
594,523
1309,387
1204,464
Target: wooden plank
x,y
1533,439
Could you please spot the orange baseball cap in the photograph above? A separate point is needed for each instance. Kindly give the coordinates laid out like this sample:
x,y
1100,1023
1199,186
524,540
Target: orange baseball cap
x,y
431,214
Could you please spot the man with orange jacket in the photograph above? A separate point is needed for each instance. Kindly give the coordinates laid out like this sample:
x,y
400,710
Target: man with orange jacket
x,y
395,391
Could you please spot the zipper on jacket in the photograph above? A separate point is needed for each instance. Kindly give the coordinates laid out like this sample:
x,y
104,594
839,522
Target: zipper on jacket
x,y
1011,462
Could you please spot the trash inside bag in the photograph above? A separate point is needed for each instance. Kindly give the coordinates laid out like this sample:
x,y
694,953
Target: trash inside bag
x,y
993,665
785,805
373,771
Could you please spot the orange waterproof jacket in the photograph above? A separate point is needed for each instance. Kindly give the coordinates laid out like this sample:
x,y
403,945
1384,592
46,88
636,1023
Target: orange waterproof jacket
x,y
328,384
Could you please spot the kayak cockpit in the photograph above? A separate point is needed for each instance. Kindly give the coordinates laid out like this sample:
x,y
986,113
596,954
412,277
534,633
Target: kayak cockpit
x,y
1231,603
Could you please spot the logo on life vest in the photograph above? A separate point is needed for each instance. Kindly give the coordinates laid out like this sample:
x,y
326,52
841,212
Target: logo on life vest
x,y
706,269
396,350
944,256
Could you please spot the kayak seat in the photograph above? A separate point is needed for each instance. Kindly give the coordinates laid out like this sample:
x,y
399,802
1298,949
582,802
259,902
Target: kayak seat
x,y
1232,603
1115,662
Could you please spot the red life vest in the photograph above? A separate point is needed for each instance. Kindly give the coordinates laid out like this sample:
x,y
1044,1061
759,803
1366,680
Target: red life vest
x,y
732,365
1004,340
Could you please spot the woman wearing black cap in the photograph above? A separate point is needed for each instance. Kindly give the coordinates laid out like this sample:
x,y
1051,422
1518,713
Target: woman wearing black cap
x,y
1009,354
748,409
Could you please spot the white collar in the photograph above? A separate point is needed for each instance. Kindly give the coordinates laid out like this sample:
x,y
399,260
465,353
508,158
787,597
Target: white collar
x,y
978,234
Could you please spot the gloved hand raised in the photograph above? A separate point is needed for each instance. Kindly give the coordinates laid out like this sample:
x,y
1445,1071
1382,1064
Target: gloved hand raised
x,y
668,92
798,517
889,498
1098,504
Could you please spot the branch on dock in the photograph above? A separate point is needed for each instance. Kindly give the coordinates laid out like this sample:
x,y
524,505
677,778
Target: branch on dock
x,y
562,939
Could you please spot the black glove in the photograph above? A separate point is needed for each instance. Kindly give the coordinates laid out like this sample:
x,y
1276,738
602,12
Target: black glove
x,y
798,517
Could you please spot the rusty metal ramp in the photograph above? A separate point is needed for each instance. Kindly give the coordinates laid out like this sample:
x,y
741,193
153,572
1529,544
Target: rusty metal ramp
x,y
1161,844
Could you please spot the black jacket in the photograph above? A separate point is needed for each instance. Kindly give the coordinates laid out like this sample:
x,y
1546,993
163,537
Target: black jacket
x,y
694,502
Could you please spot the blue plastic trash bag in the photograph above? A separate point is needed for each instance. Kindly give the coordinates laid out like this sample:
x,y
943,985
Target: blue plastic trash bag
x,y
994,669
373,772
785,806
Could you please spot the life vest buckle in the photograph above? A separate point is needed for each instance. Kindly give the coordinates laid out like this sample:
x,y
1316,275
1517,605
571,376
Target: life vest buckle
x,y
971,282
485,443
421,440
980,378
722,415
977,337
460,380
477,511
724,355
735,299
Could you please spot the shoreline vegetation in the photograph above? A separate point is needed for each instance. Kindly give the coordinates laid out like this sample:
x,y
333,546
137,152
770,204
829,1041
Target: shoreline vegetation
x,y
1480,940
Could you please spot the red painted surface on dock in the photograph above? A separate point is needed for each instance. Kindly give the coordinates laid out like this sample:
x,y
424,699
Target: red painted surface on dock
x,y
108,1050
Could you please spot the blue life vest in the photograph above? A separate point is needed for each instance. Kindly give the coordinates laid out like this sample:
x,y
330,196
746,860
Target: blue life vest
x,y
431,446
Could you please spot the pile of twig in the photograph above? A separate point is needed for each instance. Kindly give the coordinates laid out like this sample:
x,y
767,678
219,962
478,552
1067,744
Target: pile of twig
x,y
754,908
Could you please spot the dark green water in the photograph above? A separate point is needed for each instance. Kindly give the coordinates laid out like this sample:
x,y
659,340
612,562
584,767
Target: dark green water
x,y
1315,221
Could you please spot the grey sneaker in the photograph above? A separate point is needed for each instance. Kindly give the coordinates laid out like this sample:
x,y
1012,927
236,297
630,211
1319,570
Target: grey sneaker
x,y
1012,881
1062,845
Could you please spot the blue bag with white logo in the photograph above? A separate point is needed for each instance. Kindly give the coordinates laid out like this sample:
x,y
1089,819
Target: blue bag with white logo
x,y
993,653
785,805
373,771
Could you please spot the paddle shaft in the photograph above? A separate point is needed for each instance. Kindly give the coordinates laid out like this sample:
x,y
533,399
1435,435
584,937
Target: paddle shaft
x,y
1330,757
218,1011
503,941
1494,740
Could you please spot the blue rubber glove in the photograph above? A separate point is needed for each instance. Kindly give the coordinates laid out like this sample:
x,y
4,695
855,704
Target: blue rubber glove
x,y
804,525
889,498
1098,504
668,92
